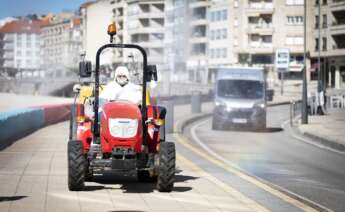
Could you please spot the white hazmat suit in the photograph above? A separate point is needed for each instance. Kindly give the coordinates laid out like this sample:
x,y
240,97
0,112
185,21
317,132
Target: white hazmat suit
x,y
121,88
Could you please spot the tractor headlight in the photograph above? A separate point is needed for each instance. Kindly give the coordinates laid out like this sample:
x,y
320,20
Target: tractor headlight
x,y
123,128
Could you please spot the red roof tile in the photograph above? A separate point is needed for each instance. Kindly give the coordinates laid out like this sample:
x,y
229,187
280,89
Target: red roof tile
x,y
22,26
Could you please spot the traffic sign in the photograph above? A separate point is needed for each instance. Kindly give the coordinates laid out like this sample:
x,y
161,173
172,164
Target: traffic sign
x,y
282,59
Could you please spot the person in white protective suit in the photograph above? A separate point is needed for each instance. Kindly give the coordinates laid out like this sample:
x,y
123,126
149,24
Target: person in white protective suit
x,y
121,88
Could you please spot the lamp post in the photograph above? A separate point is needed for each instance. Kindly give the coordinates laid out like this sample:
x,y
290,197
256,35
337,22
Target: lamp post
x,y
304,92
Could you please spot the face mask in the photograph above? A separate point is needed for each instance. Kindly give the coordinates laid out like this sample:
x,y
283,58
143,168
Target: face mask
x,y
122,81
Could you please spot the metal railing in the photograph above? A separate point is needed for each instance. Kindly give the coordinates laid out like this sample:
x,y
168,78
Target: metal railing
x,y
336,101
295,111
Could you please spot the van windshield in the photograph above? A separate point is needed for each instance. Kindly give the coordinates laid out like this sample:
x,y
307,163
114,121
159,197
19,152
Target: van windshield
x,y
240,89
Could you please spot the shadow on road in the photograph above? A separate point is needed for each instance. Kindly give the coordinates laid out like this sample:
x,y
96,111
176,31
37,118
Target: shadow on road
x,y
126,211
130,184
11,198
266,130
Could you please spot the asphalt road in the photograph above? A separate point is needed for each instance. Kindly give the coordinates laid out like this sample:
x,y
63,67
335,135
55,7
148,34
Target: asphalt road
x,y
276,156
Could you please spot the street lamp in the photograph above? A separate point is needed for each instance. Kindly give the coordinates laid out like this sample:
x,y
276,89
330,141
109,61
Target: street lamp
x,y
304,92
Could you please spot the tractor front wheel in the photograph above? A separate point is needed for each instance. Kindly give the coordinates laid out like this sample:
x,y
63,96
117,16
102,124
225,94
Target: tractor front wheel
x,y
76,166
166,167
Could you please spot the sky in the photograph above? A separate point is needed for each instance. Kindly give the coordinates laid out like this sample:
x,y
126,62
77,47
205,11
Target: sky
x,y
24,7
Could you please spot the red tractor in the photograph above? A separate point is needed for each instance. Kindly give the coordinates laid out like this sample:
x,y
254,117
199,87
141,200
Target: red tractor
x,y
123,138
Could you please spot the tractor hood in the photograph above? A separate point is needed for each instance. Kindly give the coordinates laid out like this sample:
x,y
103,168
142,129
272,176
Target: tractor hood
x,y
121,109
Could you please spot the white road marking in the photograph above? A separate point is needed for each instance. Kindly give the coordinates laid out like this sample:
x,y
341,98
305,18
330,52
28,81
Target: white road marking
x,y
321,146
261,182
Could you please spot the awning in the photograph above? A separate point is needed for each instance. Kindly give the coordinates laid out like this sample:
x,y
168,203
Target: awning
x,y
295,67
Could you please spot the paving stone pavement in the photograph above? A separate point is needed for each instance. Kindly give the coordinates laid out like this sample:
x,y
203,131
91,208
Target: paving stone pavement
x,y
34,170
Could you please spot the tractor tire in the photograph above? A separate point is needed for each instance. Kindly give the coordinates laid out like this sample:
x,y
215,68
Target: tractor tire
x,y
88,172
144,176
76,166
73,124
166,167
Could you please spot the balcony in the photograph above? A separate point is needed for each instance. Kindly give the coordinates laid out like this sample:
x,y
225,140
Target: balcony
x,y
197,22
150,15
260,47
8,55
196,40
336,4
198,3
262,29
8,47
337,28
151,44
260,8
9,38
146,30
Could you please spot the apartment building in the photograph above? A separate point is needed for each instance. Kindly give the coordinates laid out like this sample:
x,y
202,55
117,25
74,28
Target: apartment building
x,y
61,42
220,36
197,60
327,38
138,22
259,27
20,47
176,41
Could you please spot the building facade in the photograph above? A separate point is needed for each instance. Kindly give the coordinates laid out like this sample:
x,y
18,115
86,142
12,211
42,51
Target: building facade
x,y
327,40
138,22
20,48
61,44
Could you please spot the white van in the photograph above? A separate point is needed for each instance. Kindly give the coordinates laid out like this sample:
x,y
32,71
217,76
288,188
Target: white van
x,y
240,98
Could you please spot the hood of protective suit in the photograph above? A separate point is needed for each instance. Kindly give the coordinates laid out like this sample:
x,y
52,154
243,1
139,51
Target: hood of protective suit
x,y
122,71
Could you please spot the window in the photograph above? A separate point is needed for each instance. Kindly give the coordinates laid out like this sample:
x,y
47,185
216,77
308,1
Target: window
x,y
324,22
218,16
316,21
324,2
294,2
224,34
316,44
28,53
217,53
225,14
294,20
212,35
324,44
224,53
213,16
19,53
218,32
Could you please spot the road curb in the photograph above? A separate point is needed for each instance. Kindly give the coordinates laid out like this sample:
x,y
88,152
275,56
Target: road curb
x,y
19,123
321,140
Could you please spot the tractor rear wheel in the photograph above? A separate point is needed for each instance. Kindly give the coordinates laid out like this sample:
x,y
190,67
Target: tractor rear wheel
x,y
76,166
166,167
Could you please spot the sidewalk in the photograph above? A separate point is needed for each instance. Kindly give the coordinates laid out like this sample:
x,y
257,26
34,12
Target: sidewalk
x,y
328,129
